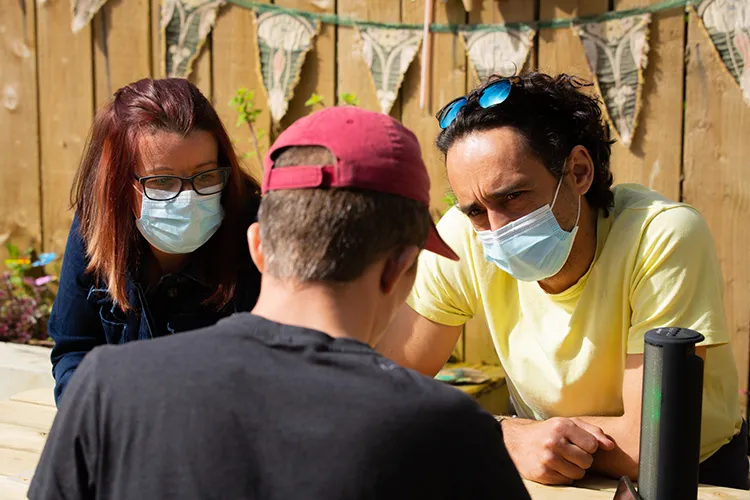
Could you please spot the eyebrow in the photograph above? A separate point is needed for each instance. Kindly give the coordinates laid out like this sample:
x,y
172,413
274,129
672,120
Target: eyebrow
x,y
166,169
499,194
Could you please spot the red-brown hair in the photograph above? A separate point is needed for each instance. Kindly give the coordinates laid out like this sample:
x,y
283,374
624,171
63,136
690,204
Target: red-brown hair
x,y
102,190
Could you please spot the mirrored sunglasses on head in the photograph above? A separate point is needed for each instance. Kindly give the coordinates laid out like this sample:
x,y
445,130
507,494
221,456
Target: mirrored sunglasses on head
x,y
493,94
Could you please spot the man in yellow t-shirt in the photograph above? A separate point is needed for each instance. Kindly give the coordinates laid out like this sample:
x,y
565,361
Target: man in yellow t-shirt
x,y
569,274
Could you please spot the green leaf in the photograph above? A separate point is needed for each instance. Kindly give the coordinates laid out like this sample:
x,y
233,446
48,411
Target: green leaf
x,y
260,134
12,250
314,99
350,99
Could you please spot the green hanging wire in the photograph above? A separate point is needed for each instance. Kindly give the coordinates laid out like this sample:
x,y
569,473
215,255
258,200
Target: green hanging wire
x,y
455,28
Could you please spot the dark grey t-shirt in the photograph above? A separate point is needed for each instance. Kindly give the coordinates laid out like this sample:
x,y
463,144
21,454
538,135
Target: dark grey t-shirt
x,y
252,409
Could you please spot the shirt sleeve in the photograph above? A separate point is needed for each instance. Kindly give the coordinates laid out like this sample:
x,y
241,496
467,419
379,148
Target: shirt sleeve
x,y
446,291
489,472
74,323
677,279
68,463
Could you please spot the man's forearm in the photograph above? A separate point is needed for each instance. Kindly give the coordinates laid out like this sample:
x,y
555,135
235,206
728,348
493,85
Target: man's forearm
x,y
623,459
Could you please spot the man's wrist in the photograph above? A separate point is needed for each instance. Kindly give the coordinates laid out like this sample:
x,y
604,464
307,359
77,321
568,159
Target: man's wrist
x,y
503,418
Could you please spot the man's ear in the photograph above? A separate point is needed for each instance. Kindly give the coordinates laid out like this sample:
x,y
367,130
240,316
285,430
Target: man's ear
x,y
256,247
581,166
396,266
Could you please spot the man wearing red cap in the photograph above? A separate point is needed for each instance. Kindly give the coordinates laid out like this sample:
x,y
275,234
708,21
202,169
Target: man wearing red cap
x,y
291,401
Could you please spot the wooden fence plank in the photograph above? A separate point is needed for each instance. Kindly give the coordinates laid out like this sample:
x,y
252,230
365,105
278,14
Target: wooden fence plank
x,y
319,69
66,97
560,51
655,155
156,48
235,66
20,216
448,80
124,54
716,179
353,74
201,73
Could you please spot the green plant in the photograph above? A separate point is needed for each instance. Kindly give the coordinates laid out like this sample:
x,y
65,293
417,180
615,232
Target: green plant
x,y
244,103
314,99
450,200
25,295
350,99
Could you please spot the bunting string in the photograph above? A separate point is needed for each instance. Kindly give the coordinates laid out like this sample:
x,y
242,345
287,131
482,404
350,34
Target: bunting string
x,y
328,18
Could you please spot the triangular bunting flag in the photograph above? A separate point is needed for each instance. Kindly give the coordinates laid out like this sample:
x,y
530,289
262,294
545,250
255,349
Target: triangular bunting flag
x,y
728,25
498,52
283,42
388,53
185,24
617,51
84,11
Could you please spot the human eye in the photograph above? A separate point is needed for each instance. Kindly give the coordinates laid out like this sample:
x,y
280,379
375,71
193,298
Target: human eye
x,y
161,181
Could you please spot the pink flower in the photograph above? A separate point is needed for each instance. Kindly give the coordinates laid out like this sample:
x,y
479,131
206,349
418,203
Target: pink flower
x,y
43,280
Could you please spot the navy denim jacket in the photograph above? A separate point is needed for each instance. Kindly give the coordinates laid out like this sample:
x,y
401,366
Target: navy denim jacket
x,y
84,315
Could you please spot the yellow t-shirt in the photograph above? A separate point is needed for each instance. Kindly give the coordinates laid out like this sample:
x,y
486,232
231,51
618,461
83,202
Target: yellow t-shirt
x,y
564,354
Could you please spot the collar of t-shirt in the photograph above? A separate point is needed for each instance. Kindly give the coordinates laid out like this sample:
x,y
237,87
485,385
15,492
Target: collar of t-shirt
x,y
275,334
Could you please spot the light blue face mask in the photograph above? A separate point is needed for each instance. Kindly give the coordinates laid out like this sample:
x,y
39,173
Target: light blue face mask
x,y
533,247
181,225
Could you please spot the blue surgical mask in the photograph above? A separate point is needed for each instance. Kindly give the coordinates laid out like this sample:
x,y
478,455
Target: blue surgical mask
x,y
181,225
533,247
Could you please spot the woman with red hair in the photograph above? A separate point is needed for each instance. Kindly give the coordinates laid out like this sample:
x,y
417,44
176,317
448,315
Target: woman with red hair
x,y
158,244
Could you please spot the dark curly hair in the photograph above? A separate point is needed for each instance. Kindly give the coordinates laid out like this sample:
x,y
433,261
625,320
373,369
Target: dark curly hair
x,y
553,116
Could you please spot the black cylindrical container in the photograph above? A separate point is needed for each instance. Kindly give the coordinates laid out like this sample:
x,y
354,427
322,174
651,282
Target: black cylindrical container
x,y
670,415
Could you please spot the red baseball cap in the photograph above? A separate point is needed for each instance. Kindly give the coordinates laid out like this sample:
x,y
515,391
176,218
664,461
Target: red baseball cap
x,y
373,151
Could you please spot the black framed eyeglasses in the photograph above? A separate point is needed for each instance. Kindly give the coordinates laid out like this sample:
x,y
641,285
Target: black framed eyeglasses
x,y
493,94
169,187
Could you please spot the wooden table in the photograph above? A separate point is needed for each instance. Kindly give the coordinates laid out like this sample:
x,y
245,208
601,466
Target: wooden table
x,y
492,395
26,418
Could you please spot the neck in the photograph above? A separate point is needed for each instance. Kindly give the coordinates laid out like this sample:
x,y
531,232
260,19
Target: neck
x,y
581,255
167,263
340,310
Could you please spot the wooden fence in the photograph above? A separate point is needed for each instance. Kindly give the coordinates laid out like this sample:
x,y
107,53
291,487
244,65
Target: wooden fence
x,y
692,143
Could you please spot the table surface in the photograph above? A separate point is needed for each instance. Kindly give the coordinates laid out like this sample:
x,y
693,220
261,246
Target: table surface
x,y
25,420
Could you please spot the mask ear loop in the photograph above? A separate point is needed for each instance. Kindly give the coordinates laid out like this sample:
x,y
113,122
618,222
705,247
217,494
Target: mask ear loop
x,y
557,191
578,216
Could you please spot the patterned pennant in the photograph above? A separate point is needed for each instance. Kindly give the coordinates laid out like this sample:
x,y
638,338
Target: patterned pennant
x,y
185,24
84,11
728,25
498,52
616,52
388,53
283,42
